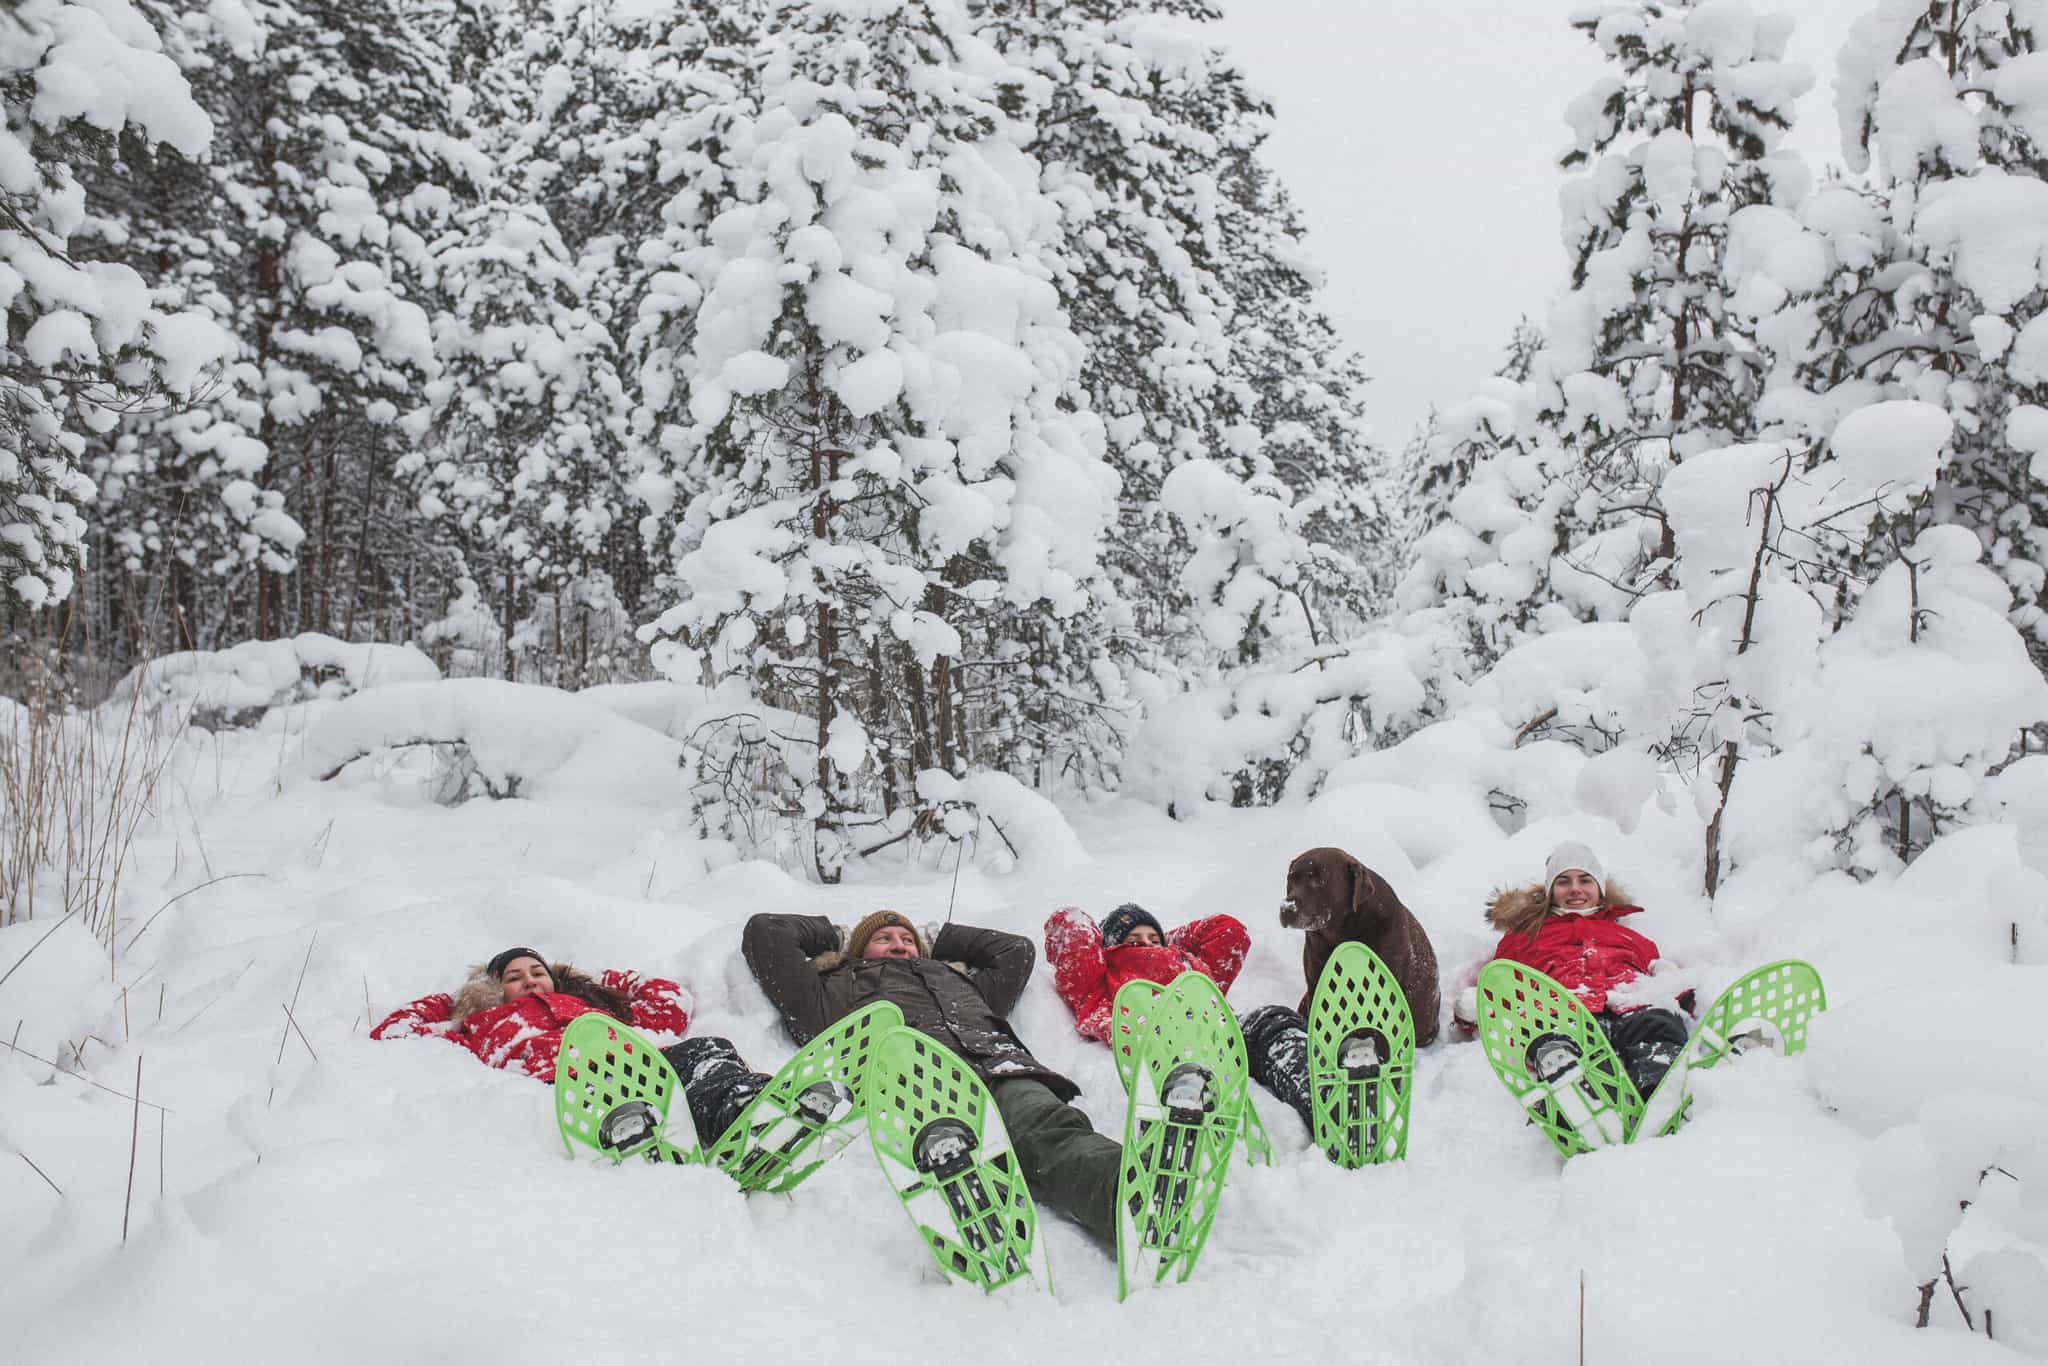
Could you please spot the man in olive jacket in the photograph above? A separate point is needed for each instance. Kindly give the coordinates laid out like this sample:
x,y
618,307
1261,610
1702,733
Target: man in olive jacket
x,y
960,994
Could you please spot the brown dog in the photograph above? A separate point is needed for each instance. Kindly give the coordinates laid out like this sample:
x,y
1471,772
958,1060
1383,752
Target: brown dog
x,y
1336,899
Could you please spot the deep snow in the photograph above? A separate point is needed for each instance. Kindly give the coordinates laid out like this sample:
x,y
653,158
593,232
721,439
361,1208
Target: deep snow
x,y
397,1202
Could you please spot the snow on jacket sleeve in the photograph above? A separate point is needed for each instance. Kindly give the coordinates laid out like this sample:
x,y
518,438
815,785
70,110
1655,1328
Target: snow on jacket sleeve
x,y
1080,971
657,1002
779,950
1000,962
420,1017
522,1035
1219,944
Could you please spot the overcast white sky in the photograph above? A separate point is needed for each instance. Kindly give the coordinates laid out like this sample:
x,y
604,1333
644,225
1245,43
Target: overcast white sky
x,y
1419,141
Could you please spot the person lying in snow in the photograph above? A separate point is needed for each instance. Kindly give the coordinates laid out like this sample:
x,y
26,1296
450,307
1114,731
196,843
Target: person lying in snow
x,y
511,1013
1569,928
1090,964
959,990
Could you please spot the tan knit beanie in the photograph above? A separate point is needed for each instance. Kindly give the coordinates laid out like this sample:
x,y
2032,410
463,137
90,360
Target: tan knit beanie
x,y
857,941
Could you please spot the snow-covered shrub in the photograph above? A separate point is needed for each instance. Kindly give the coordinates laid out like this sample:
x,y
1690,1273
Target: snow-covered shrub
x,y
1972,1166
1279,726
511,739
1901,709
579,634
467,639
234,687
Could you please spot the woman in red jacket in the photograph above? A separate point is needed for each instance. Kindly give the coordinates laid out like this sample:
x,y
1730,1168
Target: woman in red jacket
x,y
1570,929
512,1011
1090,964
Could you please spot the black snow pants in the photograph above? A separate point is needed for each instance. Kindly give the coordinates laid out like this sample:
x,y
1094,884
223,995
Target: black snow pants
x,y
1276,1044
1067,1165
717,1081
1648,1041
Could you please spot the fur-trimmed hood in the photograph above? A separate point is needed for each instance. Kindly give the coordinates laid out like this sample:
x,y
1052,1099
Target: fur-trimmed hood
x,y
1519,910
481,991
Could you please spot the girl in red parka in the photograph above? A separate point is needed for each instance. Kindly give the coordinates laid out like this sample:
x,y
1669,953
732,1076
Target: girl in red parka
x,y
1570,929
511,1012
1090,964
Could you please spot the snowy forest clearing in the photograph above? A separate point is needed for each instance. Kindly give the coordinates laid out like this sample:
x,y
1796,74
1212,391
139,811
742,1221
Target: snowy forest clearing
x,y
393,1201
909,434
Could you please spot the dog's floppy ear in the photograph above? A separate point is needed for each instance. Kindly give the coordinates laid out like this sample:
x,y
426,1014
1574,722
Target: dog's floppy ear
x,y
1361,888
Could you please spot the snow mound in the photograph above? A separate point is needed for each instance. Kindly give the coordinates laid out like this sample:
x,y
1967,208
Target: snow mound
x,y
238,684
1025,825
523,740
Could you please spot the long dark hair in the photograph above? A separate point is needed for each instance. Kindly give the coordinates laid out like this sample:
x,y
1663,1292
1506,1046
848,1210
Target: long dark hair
x,y
572,981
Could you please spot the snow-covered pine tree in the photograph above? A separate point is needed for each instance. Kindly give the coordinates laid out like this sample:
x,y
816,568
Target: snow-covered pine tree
x,y
1299,391
1640,366
1641,363
306,233
86,343
530,450
1183,272
896,504
1948,100
524,456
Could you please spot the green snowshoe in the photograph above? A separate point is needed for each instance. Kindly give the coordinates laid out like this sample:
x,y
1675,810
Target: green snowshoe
x,y
1181,1122
1768,1008
941,1143
1361,1059
1131,1016
615,1095
810,1110
1552,1056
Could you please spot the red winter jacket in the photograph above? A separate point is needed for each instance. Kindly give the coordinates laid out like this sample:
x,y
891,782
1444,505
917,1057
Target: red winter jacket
x,y
527,1033
1087,975
1591,954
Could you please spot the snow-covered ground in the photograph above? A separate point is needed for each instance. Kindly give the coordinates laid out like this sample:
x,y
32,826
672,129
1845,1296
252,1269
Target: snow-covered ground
x,y
398,1202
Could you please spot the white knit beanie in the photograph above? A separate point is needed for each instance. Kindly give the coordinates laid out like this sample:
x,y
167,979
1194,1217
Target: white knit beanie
x,y
1569,856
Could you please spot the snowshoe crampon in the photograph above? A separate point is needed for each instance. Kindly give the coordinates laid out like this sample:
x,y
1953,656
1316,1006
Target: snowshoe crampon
x,y
943,1147
1550,1053
1181,1123
615,1093
1361,1059
810,1110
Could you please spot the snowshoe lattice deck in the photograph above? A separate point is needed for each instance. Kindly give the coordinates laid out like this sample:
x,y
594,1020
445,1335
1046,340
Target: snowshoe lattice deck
x,y
1181,1122
1550,1053
810,1110
1131,1024
614,1093
1770,1007
1359,1014
943,1147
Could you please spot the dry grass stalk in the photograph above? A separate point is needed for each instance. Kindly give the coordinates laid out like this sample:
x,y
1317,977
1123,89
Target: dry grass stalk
x,y
134,1142
74,788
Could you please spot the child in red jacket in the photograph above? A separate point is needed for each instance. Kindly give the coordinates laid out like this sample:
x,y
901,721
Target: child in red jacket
x,y
1570,929
1089,964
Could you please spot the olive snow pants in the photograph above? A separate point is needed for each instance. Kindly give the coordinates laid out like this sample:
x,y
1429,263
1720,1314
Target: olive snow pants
x,y
1067,1165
